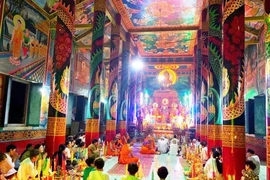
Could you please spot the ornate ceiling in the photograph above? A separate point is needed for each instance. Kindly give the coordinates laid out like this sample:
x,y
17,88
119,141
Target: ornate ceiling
x,y
162,28
254,13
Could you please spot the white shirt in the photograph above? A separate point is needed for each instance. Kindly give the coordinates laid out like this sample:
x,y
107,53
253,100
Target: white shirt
x,y
162,146
256,160
173,147
204,154
12,164
26,170
210,168
67,153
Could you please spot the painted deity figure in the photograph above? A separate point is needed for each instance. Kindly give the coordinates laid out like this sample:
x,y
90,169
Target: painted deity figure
x,y
17,39
26,43
167,82
156,112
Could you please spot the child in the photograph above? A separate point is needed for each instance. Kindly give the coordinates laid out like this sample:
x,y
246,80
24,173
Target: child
x,y
91,167
132,169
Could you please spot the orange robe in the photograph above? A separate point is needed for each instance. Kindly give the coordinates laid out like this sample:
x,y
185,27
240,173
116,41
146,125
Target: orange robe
x,y
148,146
111,149
125,155
124,139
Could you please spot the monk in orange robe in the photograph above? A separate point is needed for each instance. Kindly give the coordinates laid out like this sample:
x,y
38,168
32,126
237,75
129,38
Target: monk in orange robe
x,y
125,138
118,142
112,150
148,146
126,156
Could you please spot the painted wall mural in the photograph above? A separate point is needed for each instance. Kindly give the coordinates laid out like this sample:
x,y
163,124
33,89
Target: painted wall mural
x,y
181,85
152,13
81,72
167,43
23,42
255,68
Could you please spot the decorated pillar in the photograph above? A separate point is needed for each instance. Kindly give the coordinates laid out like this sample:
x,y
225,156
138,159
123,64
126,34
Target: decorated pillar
x,y
267,49
114,86
205,75
56,127
124,93
131,114
233,135
198,63
215,74
92,121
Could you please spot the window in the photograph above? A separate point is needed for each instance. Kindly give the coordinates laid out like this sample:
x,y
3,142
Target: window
x,y
17,102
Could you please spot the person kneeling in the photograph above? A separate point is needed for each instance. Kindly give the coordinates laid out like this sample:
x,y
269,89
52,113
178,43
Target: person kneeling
x,y
126,155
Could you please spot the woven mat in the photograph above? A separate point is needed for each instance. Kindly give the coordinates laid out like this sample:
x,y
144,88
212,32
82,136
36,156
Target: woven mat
x,y
146,162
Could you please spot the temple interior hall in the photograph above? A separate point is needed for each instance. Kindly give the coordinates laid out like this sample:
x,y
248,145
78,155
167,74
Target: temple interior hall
x,y
135,89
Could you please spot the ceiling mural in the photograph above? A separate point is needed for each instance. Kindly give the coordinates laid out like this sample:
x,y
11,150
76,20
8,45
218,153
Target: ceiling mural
x,y
155,13
84,12
48,5
253,9
167,44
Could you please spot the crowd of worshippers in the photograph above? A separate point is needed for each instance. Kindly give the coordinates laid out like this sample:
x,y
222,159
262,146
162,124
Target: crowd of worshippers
x,y
212,162
30,164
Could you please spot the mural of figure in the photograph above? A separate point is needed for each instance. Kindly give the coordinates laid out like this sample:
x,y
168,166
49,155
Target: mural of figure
x,y
174,111
17,39
155,112
167,82
26,43
32,47
36,48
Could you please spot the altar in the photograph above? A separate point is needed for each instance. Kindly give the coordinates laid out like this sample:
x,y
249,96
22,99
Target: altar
x,y
166,113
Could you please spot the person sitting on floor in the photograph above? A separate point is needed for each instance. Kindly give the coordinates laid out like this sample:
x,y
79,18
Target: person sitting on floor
x,y
162,145
26,152
255,159
148,146
12,155
125,138
118,142
93,149
98,174
249,173
162,173
174,146
27,167
111,148
4,165
132,169
126,156
90,168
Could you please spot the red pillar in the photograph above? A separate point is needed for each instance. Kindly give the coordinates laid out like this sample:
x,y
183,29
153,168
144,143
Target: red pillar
x,y
56,128
233,141
267,70
123,127
92,121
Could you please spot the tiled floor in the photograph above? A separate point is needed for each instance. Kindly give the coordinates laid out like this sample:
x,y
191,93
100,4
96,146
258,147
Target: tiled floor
x,y
171,162
263,171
